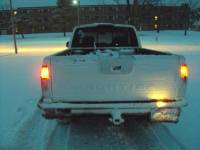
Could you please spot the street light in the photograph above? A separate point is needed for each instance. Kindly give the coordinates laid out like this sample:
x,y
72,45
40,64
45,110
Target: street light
x,y
12,14
156,23
15,13
155,18
77,2
156,26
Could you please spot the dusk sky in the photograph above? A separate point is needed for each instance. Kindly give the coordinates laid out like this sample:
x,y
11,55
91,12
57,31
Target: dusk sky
x,y
37,3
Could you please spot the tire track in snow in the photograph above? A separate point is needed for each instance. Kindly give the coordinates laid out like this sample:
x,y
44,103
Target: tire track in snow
x,y
25,135
58,138
39,134
33,133
144,139
156,136
165,135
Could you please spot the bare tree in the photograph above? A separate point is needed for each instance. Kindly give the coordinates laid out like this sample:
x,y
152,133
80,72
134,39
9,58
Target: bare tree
x,y
21,20
129,11
190,13
193,3
63,13
132,14
194,14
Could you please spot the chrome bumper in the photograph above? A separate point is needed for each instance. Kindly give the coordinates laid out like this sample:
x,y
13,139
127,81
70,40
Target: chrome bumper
x,y
162,111
153,104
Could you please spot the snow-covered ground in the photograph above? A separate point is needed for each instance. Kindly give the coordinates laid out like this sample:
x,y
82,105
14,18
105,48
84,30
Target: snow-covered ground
x,y
22,127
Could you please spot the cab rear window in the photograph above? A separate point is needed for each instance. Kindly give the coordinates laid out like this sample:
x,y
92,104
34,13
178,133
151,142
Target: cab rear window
x,y
104,36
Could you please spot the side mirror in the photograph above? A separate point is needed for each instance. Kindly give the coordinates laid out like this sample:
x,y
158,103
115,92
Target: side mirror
x,y
67,44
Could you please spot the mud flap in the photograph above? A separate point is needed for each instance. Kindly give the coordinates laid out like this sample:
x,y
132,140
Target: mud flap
x,y
165,115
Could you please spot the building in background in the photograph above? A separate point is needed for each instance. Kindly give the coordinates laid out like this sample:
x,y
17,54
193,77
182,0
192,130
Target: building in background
x,y
4,21
145,17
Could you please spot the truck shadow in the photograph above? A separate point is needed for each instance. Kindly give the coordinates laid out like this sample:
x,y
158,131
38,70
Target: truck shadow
x,y
89,132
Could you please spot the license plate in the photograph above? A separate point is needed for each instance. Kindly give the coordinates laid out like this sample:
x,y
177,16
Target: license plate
x,y
165,115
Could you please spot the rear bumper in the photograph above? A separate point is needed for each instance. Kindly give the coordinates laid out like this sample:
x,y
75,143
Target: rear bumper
x,y
124,106
159,111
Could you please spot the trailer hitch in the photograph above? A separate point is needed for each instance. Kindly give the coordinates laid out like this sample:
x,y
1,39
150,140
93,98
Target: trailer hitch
x,y
116,117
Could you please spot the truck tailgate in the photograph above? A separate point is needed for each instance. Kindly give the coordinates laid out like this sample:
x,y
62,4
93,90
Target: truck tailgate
x,y
125,78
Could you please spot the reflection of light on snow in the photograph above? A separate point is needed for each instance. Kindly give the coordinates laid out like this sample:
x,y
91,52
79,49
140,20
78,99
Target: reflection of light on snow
x,y
35,43
32,49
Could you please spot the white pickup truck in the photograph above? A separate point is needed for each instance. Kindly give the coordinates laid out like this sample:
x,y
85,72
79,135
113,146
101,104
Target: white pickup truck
x,y
106,71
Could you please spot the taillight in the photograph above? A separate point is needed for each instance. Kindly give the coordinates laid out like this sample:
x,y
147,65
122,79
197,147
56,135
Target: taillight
x,y
184,71
44,72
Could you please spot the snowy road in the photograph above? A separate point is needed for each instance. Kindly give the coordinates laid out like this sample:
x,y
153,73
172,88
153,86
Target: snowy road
x,y
22,127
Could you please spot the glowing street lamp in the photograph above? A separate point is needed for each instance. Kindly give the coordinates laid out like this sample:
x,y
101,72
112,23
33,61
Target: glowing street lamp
x,y
155,18
15,13
156,23
75,2
156,26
